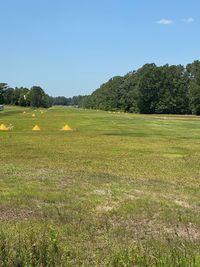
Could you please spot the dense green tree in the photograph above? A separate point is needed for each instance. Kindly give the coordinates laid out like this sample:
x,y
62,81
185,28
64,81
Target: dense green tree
x,y
194,86
129,93
34,96
151,89
3,87
108,96
61,100
22,101
173,94
37,97
8,96
16,95
149,84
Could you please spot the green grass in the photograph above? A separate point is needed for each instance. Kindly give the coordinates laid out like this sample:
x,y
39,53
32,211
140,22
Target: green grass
x,y
119,190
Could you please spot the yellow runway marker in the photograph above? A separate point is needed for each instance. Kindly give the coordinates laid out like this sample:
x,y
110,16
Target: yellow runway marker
x,y
3,128
66,128
36,128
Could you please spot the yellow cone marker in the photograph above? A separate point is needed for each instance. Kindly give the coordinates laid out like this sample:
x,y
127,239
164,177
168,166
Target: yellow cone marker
x,y
66,128
3,128
24,112
33,115
36,128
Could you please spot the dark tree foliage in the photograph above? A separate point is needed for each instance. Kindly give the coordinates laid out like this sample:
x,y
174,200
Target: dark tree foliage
x,y
77,101
194,86
128,93
35,97
173,96
8,96
61,101
108,96
19,97
149,84
3,87
151,89
163,90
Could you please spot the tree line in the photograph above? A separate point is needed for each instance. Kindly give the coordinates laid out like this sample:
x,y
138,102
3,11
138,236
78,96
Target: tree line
x,y
34,97
151,89
21,96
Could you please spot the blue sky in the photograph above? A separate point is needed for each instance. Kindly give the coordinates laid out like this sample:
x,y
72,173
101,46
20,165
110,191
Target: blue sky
x,y
71,47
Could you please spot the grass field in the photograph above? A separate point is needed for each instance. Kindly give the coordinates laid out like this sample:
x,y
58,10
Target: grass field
x,y
119,190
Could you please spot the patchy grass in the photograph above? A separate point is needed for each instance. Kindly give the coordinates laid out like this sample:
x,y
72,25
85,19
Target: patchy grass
x,y
119,190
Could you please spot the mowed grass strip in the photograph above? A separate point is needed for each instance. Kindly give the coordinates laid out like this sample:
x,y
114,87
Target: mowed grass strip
x,y
119,190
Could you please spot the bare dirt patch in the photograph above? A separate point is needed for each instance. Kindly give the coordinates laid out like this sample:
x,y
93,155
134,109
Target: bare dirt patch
x,y
12,214
152,227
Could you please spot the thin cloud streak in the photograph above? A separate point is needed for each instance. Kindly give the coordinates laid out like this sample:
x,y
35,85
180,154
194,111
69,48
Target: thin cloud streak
x,y
188,20
165,22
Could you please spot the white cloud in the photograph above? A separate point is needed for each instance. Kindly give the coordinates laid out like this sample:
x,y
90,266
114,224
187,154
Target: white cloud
x,y
165,22
188,20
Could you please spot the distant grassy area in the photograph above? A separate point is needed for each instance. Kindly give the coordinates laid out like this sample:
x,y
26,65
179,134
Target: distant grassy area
x,y
119,190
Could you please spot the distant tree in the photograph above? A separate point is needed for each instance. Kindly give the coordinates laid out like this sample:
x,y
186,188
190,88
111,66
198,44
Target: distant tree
x,y
61,100
194,86
151,89
173,94
16,96
129,93
108,96
76,100
22,101
8,96
85,102
149,84
3,87
37,97
51,100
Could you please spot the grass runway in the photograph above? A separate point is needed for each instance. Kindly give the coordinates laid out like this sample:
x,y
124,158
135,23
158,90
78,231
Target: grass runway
x,y
119,190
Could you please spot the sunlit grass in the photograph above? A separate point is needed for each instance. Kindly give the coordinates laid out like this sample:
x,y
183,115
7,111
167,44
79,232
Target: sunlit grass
x,y
119,190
